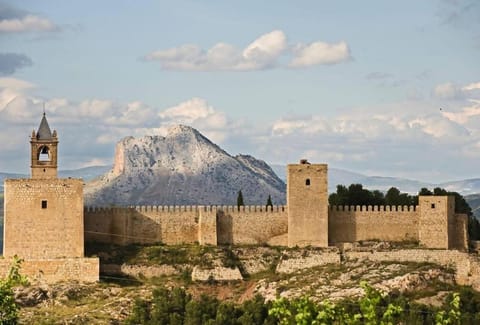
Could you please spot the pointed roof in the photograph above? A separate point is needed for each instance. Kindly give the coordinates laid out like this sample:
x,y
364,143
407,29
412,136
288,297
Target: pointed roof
x,y
44,132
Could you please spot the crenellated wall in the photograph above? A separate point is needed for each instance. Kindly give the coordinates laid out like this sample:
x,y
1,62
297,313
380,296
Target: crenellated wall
x,y
247,225
185,224
388,223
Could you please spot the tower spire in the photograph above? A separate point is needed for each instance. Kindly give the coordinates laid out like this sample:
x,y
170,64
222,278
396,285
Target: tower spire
x,y
44,151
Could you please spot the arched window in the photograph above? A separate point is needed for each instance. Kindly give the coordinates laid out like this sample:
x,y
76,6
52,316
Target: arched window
x,y
44,154
307,182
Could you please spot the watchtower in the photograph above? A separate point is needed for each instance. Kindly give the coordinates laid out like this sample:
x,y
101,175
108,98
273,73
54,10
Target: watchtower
x,y
436,227
307,203
44,145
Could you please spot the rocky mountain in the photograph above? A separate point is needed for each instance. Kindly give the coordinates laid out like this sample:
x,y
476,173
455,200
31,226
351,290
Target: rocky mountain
x,y
182,168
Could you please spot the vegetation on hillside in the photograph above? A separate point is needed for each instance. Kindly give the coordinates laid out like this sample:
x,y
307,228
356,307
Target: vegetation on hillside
x,y
176,306
8,306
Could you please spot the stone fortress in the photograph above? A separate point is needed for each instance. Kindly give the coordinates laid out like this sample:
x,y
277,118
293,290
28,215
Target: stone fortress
x,y
46,224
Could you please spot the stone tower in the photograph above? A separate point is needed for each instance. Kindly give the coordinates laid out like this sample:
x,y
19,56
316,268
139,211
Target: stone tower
x,y
44,145
307,203
43,219
436,228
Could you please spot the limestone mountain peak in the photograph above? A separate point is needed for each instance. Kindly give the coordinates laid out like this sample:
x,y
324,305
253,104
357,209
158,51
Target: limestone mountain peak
x,y
184,167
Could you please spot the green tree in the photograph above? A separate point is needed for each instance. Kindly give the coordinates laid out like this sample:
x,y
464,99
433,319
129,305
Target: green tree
x,y
269,201
240,199
395,198
8,307
140,313
425,191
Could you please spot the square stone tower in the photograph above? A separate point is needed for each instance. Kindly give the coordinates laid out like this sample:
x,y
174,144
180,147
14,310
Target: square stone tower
x,y
436,228
43,217
307,204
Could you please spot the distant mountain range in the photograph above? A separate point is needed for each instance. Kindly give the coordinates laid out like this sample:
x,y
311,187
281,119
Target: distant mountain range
x,y
344,177
87,174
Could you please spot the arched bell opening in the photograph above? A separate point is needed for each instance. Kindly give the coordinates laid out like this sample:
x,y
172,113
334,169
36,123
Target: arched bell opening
x,y
44,154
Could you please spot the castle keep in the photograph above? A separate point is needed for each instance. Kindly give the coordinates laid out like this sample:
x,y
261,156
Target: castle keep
x,y
43,218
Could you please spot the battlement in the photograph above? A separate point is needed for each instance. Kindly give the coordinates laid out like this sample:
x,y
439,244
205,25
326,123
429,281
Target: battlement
x,y
373,208
230,209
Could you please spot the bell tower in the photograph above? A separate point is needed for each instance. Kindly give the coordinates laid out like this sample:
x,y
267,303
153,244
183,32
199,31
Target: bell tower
x,y
44,144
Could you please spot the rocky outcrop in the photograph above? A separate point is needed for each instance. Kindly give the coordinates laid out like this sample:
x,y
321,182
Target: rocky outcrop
x,y
183,168
217,273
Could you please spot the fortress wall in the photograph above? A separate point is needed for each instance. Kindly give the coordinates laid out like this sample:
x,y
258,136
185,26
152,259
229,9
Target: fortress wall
x,y
142,224
250,224
207,226
355,223
461,232
185,224
55,270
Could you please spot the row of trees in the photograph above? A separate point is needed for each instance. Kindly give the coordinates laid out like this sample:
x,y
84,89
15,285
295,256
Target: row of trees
x,y
355,194
241,203
176,306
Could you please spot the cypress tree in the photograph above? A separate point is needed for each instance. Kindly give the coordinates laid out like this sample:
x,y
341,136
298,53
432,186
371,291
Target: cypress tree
x,y
240,199
269,201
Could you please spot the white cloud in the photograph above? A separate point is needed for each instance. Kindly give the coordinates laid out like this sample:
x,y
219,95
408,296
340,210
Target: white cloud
x,y
465,114
27,23
188,111
472,86
263,53
320,53
14,83
260,54
448,91
199,114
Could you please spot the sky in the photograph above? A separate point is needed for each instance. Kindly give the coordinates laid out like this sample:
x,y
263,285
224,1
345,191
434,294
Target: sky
x,y
389,88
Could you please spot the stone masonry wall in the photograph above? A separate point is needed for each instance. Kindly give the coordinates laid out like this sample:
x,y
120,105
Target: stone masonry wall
x,y
145,224
56,270
351,224
185,224
435,223
307,201
461,232
250,224
43,218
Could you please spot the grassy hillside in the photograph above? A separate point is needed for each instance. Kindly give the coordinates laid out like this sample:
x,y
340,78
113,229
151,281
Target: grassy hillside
x,y
139,269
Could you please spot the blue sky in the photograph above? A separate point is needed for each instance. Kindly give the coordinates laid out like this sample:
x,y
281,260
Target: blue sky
x,y
378,87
